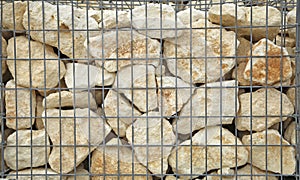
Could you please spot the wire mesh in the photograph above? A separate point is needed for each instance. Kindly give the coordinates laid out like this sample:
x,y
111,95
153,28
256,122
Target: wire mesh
x,y
163,89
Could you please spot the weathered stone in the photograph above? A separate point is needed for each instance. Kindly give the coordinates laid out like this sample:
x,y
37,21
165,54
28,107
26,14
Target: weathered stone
x,y
152,132
280,157
291,95
160,70
113,18
209,97
82,76
285,41
70,99
117,159
123,47
243,50
17,154
268,71
173,93
81,174
33,67
20,106
90,132
206,152
4,55
186,15
291,21
119,127
99,94
39,112
138,84
290,133
35,174
238,74
263,100
12,16
156,21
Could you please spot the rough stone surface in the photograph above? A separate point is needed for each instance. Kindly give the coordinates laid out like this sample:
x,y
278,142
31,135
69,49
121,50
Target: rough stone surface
x,y
291,20
285,41
259,107
185,16
291,95
125,45
36,142
33,67
99,94
70,99
271,70
81,174
243,50
159,133
39,112
90,130
290,133
233,155
110,21
156,16
174,93
13,21
138,84
20,106
37,174
4,55
114,164
82,76
279,154
209,96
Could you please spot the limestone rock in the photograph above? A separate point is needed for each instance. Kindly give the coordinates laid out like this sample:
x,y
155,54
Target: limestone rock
x,y
158,19
82,76
4,55
20,106
291,95
81,174
17,153
107,161
291,21
12,16
99,94
174,93
159,133
210,152
39,112
260,103
290,133
33,67
70,99
35,174
279,155
209,96
285,41
160,70
271,70
185,16
243,50
138,84
110,21
90,132
238,74
123,47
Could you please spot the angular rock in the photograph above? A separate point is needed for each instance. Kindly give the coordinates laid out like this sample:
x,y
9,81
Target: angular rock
x,y
291,21
209,97
20,106
82,76
70,99
107,161
290,133
12,16
138,84
123,47
243,50
238,74
185,16
90,132
160,138
285,41
160,70
278,156
210,152
173,93
260,104
33,67
35,174
17,154
110,21
81,174
156,21
4,55
291,95
99,94
39,112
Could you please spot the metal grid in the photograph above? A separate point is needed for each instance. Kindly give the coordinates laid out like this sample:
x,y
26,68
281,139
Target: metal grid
x,y
7,172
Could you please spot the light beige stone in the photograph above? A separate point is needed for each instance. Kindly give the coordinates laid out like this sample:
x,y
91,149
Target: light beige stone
x,y
278,156
160,70
90,132
119,160
210,152
35,174
138,84
81,174
291,21
209,97
20,106
263,100
72,99
12,16
173,93
238,74
243,50
31,149
4,55
291,95
268,71
185,16
155,132
285,41
110,21
82,76
33,67
39,112
123,47
290,133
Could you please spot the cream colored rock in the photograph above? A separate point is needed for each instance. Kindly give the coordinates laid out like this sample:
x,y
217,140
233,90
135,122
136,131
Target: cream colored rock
x,y
110,21
208,97
35,174
271,70
31,149
33,68
290,133
291,21
257,121
82,76
90,132
238,74
70,99
232,155
39,112
160,140
4,55
123,47
243,50
278,156
20,106
138,84
12,16
291,95
160,70
285,41
118,159
81,174
185,16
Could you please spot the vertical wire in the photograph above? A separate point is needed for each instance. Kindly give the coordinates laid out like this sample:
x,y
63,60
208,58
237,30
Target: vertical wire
x,y
2,95
221,88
